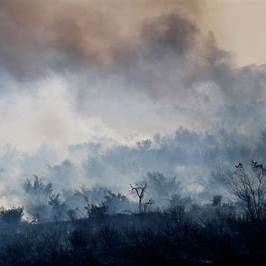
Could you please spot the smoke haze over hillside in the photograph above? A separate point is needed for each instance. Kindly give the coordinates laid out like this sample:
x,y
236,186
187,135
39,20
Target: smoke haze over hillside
x,y
83,81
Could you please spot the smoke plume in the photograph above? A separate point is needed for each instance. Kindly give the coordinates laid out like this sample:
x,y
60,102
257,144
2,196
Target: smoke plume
x,y
82,82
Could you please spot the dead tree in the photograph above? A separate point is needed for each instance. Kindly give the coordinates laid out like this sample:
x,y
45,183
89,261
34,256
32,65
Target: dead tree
x,y
249,186
139,189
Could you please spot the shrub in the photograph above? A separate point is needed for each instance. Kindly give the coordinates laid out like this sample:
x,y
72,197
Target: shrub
x,y
11,216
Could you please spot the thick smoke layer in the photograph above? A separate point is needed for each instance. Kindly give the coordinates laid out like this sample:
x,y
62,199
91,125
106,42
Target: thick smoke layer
x,y
83,81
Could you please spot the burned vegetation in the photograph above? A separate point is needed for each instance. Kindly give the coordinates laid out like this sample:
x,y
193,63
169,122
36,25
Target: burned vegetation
x,y
155,223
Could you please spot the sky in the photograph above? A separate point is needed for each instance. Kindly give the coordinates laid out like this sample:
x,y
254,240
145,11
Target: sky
x,y
239,27
104,91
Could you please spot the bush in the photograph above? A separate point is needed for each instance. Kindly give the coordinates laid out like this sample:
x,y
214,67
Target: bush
x,y
11,216
96,211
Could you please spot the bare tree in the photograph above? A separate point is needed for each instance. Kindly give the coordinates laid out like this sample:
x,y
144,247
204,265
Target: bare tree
x,y
139,189
248,184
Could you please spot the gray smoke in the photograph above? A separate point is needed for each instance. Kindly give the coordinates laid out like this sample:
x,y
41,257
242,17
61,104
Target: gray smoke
x,y
81,86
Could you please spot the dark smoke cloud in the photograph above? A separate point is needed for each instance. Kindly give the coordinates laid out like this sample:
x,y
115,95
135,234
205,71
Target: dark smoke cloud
x,y
36,35
156,48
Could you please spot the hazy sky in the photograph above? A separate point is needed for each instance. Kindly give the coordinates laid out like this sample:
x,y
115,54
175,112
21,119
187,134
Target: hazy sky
x,y
239,27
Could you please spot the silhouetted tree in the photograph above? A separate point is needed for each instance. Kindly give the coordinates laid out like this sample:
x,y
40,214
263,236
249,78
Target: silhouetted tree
x,y
217,200
93,195
58,210
38,194
248,184
177,200
116,203
96,210
161,188
139,190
